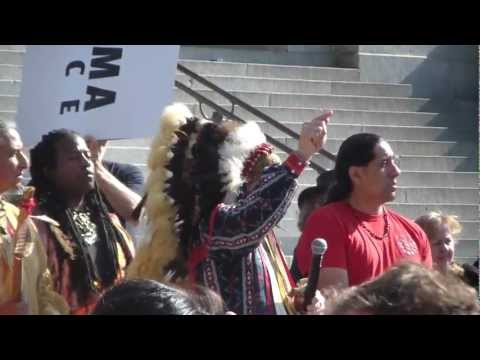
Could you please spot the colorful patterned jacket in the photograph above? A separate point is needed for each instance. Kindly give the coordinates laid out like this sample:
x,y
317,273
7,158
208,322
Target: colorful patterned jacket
x,y
245,264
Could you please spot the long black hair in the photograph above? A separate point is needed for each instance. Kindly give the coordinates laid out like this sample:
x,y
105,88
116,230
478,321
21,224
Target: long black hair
x,y
357,150
84,271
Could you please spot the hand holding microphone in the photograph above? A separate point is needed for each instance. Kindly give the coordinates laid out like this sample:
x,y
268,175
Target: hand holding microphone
x,y
319,247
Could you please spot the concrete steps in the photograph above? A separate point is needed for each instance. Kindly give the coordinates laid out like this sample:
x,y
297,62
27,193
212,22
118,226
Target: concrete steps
x,y
388,132
244,83
272,71
13,47
314,100
12,56
362,117
10,72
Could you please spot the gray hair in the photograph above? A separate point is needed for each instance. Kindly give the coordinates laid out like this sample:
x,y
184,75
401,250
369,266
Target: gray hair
x,y
5,126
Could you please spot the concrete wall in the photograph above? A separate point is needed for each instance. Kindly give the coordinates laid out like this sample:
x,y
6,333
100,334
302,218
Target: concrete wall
x,y
447,72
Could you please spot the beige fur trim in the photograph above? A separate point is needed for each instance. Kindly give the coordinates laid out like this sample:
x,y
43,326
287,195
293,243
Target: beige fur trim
x,y
162,247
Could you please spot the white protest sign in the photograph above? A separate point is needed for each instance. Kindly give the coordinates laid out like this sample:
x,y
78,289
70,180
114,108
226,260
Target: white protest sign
x,y
109,91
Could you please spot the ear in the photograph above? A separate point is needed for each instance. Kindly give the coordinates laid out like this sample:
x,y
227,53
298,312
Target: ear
x,y
356,174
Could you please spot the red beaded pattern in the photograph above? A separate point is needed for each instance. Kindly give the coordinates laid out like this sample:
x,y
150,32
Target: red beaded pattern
x,y
251,160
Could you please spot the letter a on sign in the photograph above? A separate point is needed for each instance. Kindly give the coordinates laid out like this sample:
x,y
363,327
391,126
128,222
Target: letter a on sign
x,y
98,97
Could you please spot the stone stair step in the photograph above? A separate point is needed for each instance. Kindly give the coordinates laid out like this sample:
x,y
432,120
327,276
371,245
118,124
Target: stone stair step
x,y
237,83
8,102
362,117
13,47
311,100
271,71
7,115
10,72
10,87
389,132
12,57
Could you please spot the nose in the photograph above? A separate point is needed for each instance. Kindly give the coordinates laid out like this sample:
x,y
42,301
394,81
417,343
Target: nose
x,y
443,249
23,160
395,171
86,161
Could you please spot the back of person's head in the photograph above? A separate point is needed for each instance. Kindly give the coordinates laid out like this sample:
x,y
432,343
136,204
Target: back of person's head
x,y
315,196
357,150
325,180
407,289
146,297
309,195
207,300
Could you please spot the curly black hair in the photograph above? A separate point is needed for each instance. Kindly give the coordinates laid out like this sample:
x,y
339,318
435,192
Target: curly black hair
x,y
84,270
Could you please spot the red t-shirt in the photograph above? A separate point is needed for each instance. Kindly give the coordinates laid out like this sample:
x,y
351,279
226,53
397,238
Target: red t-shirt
x,y
352,248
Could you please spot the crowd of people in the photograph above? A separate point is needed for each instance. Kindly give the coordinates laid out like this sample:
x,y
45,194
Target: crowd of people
x,y
213,197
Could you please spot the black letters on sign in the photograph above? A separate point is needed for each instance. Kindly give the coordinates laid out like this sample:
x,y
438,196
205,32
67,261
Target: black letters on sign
x,y
107,70
75,64
98,97
101,68
69,105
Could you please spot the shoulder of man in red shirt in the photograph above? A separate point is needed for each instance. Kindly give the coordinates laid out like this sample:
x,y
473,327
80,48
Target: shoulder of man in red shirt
x,y
322,223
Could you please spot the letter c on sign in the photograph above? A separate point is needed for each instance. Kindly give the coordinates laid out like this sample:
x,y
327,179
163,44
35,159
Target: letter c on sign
x,y
75,64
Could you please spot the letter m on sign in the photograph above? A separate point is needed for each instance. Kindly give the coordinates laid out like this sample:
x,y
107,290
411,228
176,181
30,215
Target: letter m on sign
x,y
105,69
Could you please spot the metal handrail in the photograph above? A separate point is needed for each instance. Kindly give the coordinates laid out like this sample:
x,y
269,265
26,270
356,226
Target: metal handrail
x,y
230,114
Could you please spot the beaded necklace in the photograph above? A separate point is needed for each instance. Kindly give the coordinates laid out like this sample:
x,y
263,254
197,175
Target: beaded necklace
x,y
386,227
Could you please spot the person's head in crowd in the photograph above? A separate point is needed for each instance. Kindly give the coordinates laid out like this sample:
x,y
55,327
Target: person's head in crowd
x,y
407,289
62,167
13,161
208,301
441,231
313,197
366,169
149,297
308,200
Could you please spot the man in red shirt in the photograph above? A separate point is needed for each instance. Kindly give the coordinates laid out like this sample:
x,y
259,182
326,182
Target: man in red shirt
x,y
364,237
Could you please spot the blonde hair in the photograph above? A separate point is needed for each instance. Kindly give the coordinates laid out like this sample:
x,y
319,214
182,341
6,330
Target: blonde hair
x,y
432,220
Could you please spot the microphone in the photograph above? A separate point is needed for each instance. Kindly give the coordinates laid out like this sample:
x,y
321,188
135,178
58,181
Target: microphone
x,y
319,247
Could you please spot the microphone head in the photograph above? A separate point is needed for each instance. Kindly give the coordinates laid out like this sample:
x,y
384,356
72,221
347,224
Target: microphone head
x,y
319,246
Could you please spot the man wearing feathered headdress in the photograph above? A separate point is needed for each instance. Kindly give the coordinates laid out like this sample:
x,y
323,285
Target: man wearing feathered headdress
x,y
215,193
